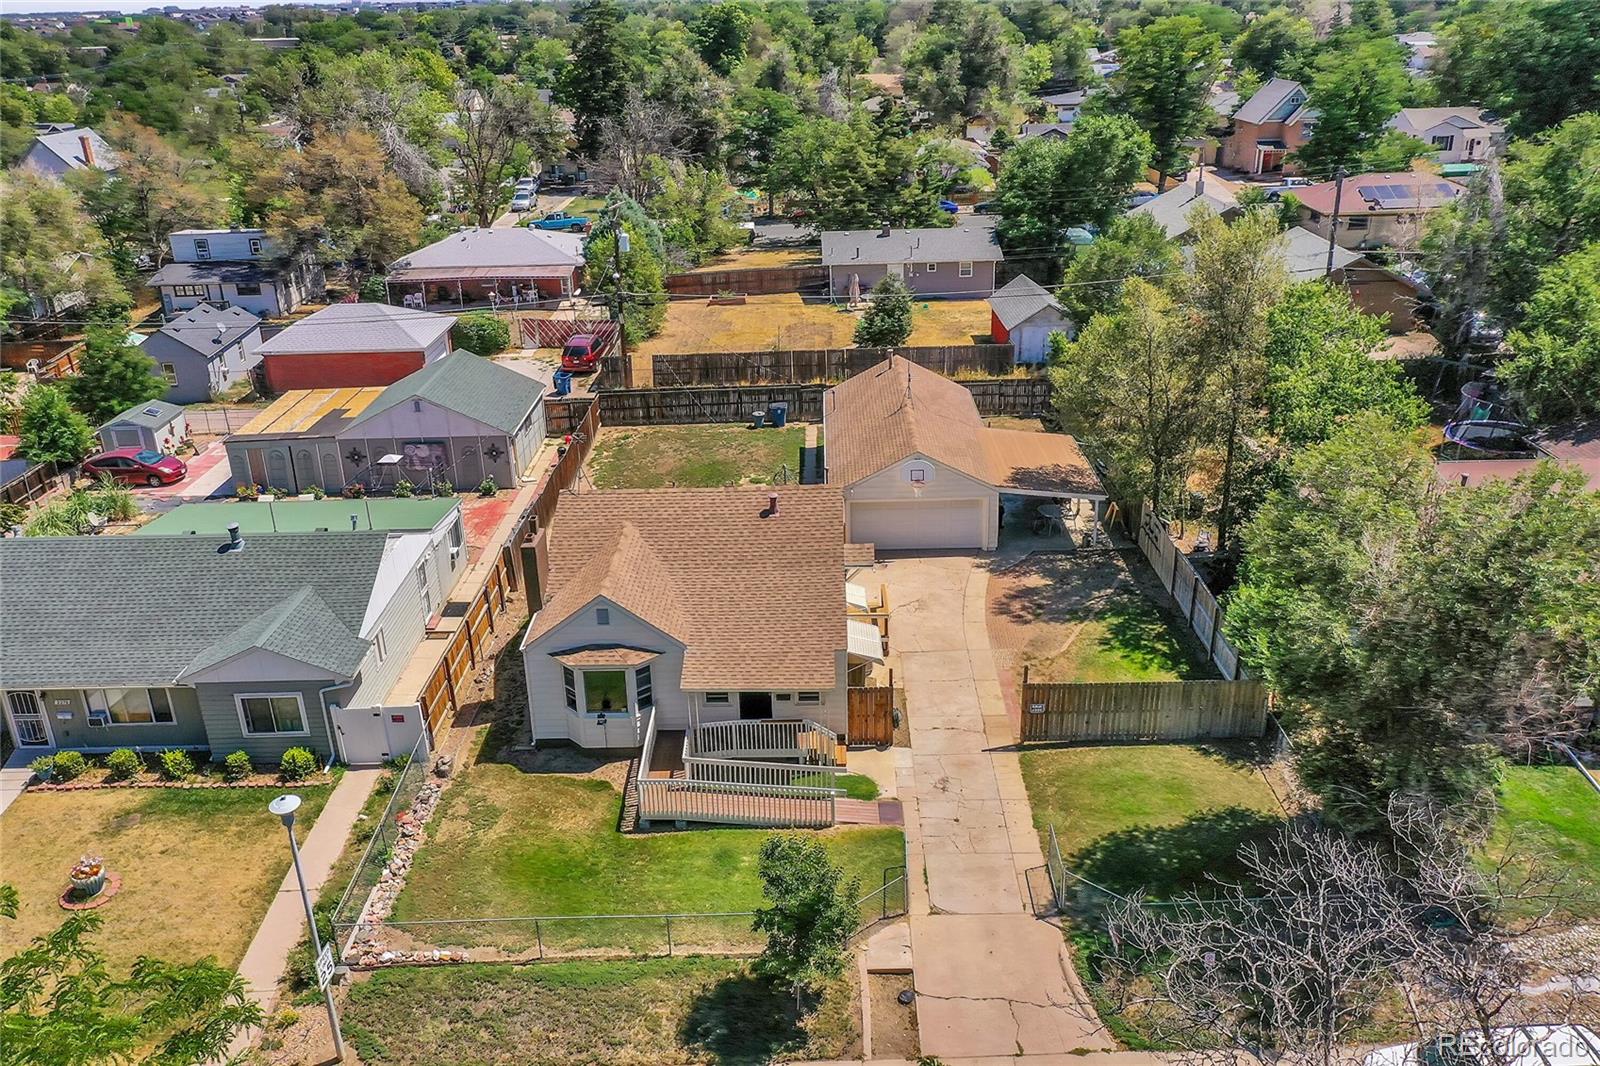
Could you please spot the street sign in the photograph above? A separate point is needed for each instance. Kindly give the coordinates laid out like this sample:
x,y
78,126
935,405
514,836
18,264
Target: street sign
x,y
325,966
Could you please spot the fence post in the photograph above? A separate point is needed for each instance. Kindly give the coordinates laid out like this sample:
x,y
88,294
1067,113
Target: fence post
x,y
538,935
669,935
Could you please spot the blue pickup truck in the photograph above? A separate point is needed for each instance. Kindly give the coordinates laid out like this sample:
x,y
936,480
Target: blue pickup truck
x,y
561,222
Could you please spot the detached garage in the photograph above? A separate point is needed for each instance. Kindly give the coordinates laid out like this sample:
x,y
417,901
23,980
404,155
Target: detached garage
x,y
920,470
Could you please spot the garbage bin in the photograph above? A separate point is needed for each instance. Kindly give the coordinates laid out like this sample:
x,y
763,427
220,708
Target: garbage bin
x,y
757,419
563,382
778,414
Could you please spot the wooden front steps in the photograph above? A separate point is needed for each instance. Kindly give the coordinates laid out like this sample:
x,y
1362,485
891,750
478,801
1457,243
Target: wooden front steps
x,y
868,812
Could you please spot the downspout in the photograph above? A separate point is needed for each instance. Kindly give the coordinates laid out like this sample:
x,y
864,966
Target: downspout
x,y
327,720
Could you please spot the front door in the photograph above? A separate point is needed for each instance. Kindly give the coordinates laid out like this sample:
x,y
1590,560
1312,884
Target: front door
x,y
28,723
755,705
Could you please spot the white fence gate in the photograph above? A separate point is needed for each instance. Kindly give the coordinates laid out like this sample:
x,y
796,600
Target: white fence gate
x,y
370,735
1194,599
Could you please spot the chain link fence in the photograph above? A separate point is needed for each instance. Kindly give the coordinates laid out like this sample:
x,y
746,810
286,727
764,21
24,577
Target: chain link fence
x,y
395,824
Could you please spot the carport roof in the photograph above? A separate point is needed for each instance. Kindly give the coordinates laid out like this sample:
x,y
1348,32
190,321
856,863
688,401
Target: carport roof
x,y
1039,464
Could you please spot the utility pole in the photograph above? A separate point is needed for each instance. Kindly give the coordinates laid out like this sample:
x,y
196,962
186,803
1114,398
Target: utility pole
x,y
619,246
1333,223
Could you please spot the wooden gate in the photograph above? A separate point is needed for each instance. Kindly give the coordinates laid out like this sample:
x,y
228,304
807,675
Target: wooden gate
x,y
871,718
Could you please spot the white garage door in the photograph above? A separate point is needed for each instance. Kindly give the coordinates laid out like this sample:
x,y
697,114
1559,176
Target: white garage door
x,y
918,524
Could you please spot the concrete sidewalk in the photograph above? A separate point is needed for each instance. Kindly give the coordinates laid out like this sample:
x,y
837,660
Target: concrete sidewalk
x,y
991,979
267,957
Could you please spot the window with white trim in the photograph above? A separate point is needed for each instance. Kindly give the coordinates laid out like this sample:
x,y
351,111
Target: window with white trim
x,y
1445,142
255,245
170,372
605,691
202,248
131,706
964,270
644,693
268,713
188,290
569,682
810,697
717,697
932,268
381,645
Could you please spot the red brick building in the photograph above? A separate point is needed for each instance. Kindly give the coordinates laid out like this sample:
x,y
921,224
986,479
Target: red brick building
x,y
354,346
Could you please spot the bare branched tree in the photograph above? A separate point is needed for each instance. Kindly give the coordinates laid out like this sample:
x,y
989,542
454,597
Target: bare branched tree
x,y
646,128
490,130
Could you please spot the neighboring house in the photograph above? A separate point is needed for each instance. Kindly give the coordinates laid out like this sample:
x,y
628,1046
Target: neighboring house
x,y
204,351
353,346
959,261
1103,63
1067,106
440,516
1174,209
1572,444
1023,314
461,419
62,148
1375,210
690,607
485,266
919,469
234,268
1057,130
1374,289
980,128
42,307
255,644
1266,128
1421,48
1456,134
156,426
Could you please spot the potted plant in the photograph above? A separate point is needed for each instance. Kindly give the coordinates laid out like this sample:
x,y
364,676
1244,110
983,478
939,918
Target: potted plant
x,y
88,876
246,491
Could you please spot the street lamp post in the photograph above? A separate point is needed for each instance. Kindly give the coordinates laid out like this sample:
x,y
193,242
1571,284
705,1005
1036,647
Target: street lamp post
x,y
284,807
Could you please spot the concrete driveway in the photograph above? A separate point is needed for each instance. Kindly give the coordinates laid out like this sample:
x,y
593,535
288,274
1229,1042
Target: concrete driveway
x,y
991,979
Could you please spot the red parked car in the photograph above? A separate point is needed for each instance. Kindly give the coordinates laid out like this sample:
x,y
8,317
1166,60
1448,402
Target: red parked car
x,y
136,466
581,353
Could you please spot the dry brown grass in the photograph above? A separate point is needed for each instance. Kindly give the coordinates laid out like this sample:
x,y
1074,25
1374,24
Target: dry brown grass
x,y
198,866
785,321
757,258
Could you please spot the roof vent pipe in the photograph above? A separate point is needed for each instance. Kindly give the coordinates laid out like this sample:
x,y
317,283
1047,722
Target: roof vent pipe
x,y
235,539
355,521
772,505
885,231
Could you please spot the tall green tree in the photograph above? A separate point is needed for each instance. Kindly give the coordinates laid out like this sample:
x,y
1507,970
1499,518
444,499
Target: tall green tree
x,y
49,430
1320,370
1532,62
965,57
887,321
698,211
1238,273
52,256
1356,92
113,376
1372,17
809,915
1277,45
1412,631
1048,184
494,133
1133,246
721,32
59,1004
643,288
1132,390
597,80
1167,71
1554,367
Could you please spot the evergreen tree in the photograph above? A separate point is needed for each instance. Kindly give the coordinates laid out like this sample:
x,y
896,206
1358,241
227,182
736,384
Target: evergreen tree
x,y
596,84
1166,75
887,321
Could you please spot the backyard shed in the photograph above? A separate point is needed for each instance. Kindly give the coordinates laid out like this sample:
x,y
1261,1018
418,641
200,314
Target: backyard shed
x,y
1023,314
156,426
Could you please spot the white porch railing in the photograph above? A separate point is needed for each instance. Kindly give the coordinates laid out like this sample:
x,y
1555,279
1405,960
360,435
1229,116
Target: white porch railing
x,y
775,738
679,800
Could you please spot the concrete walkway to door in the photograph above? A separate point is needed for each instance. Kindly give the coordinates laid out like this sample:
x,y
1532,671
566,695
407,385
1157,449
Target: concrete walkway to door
x,y
991,979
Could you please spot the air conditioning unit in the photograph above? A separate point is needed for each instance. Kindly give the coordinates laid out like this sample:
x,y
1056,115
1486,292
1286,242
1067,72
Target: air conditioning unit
x,y
99,716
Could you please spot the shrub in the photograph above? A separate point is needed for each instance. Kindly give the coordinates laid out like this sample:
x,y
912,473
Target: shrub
x,y
297,764
236,767
246,492
443,488
68,765
176,765
318,492
374,289
482,333
487,487
124,764
44,766
404,488
355,490
887,321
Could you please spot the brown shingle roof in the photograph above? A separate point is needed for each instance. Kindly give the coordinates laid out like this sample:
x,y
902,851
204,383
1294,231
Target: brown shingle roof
x,y
1038,462
757,600
895,410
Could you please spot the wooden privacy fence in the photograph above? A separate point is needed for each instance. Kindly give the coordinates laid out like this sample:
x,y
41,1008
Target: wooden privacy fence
x,y
220,420
674,406
556,332
1195,601
1143,710
468,646
871,715
32,483
564,473
754,281
823,364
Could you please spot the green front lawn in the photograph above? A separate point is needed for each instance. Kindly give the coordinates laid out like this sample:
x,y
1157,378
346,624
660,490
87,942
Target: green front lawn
x,y
1155,816
856,786
505,842
1550,816
667,1011
1128,639
652,457
198,866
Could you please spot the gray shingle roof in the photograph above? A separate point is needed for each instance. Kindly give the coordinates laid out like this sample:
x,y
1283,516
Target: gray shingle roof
x,y
854,247
469,385
360,328
510,247
151,415
1266,100
94,611
1019,300
65,146
1172,209
197,329
217,272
